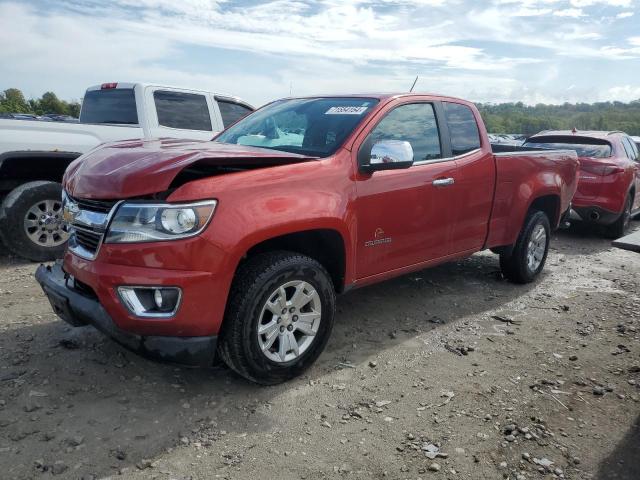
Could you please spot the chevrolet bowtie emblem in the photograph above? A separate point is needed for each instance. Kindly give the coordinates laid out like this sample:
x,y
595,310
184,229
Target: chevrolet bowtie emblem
x,y
70,212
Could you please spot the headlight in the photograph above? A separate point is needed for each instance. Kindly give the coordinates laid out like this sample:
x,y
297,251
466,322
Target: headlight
x,y
147,222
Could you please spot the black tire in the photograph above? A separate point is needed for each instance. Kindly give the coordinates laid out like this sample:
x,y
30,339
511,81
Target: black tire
x,y
13,210
618,228
515,266
255,282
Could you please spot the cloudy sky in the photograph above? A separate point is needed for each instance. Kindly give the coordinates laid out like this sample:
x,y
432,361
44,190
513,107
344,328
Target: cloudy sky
x,y
491,51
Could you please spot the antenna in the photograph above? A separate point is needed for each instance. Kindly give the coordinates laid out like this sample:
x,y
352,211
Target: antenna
x,y
414,84
290,87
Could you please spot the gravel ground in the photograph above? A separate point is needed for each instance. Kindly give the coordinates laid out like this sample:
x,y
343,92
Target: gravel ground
x,y
451,373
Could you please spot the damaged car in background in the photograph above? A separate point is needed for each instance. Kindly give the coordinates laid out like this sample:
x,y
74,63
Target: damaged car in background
x,y
609,176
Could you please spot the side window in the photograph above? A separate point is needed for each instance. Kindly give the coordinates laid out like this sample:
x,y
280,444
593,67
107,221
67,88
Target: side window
x,y
187,111
232,112
414,123
630,148
634,147
463,128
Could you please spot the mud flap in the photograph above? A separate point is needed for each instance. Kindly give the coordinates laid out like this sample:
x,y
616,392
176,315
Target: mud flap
x,y
565,219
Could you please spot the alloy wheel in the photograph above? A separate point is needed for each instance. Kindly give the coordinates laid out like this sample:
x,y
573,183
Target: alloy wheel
x,y
537,247
289,321
43,224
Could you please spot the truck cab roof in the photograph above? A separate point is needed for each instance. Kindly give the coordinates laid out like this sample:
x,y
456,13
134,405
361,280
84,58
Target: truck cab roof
x,y
382,96
143,86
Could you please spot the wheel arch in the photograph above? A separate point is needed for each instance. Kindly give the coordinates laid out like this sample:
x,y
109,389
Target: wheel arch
x,y
20,167
325,245
550,205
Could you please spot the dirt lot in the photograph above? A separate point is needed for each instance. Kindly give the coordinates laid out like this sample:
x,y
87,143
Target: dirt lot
x,y
549,385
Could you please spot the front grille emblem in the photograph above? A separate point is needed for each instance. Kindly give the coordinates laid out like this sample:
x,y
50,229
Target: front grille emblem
x,y
70,211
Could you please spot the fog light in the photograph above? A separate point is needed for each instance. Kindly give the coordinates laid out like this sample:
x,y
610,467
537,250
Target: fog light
x,y
157,296
152,302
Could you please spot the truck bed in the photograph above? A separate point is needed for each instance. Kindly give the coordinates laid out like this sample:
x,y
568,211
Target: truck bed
x,y
21,135
504,148
517,169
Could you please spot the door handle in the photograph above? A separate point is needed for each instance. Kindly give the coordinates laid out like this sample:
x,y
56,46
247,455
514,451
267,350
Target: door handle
x,y
443,182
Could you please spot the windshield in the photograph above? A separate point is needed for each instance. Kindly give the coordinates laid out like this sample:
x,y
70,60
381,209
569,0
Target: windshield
x,y
115,105
315,127
584,147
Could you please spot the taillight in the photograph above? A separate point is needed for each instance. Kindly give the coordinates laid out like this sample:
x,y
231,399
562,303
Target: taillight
x,y
591,168
107,86
600,169
612,170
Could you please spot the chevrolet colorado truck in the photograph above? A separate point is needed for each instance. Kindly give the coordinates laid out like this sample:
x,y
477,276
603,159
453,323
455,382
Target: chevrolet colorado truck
x,y
238,247
609,176
34,155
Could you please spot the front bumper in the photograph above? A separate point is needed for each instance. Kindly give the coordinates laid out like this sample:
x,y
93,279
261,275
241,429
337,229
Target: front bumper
x,y
79,308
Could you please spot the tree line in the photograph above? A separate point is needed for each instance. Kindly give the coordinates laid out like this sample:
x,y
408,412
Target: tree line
x,y
521,118
12,100
499,118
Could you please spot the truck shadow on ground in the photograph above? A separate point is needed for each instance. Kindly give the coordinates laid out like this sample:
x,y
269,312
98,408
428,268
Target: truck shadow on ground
x,y
624,462
72,395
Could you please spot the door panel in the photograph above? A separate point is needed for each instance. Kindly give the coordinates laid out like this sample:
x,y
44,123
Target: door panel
x,y
637,198
474,198
475,183
402,218
634,155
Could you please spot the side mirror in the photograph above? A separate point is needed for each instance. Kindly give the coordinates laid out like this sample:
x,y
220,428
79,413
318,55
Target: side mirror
x,y
388,155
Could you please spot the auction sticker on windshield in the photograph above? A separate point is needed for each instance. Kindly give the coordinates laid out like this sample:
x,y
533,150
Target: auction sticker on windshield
x,y
346,111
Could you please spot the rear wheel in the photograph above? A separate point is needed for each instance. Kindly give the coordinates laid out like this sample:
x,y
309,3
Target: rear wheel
x,y
279,317
527,259
620,226
31,224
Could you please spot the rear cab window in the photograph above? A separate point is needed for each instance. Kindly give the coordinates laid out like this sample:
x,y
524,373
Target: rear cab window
x,y
109,106
231,111
463,128
184,111
583,146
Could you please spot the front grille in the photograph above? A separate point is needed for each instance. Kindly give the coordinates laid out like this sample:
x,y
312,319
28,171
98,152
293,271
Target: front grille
x,y
89,224
102,206
89,240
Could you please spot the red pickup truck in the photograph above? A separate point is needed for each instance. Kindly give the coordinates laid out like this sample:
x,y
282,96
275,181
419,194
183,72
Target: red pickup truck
x,y
237,247
609,175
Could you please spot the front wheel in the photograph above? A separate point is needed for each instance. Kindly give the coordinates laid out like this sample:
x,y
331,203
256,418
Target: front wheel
x,y
529,254
279,317
31,223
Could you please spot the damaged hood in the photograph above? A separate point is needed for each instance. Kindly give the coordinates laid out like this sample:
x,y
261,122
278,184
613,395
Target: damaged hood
x,y
135,168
